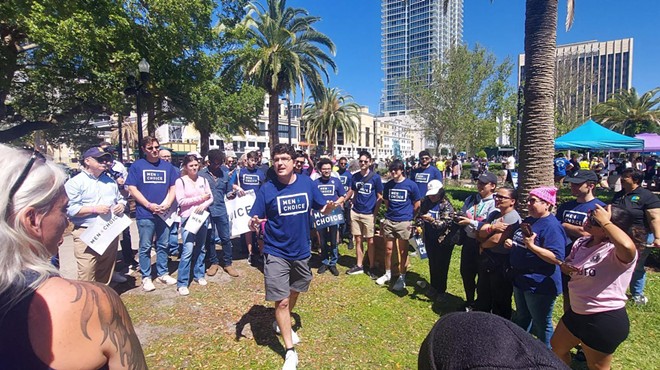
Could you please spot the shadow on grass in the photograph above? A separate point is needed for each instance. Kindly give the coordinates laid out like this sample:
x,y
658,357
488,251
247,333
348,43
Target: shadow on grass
x,y
260,319
346,261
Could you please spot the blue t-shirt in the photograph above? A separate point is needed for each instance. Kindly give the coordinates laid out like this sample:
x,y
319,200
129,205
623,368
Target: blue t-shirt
x,y
153,180
422,176
560,166
346,179
364,200
531,273
331,188
575,213
400,196
287,210
251,179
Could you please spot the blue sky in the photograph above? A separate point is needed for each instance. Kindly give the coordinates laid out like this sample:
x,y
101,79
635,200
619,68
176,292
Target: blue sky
x,y
354,26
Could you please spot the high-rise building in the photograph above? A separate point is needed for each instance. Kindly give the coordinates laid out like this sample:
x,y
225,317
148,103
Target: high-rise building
x,y
414,32
589,72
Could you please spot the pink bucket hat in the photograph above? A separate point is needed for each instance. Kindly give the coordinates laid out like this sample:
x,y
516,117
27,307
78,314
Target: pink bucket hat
x,y
545,193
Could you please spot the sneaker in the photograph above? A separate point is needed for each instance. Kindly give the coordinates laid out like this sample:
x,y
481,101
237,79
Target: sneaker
x,y
132,269
118,278
213,269
640,300
167,279
183,290
468,308
322,269
333,270
231,271
442,298
148,285
350,245
383,279
355,270
400,283
290,360
202,281
371,275
294,337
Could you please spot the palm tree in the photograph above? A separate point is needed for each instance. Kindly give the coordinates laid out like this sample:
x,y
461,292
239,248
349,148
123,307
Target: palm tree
x,y
129,136
629,113
286,54
330,113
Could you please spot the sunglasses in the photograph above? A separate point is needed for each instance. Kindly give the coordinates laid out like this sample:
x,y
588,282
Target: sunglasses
x,y
300,162
367,161
500,197
533,200
592,220
36,156
150,148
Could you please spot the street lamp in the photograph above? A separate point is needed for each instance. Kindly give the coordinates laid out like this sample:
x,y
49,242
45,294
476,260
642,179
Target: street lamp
x,y
139,89
119,146
288,109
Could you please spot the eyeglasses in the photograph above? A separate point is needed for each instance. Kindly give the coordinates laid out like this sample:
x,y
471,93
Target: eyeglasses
x,y
533,200
150,148
342,163
395,170
300,162
103,160
367,161
424,158
500,197
281,159
36,156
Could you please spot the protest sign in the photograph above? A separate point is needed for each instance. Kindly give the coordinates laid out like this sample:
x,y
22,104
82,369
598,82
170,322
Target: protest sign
x,y
336,217
104,230
195,221
171,215
238,210
418,243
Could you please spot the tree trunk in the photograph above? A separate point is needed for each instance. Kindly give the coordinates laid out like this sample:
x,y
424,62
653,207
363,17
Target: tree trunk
x,y
23,129
204,141
273,120
537,133
330,143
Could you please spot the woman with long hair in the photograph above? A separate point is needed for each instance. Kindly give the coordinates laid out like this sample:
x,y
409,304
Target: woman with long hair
x,y
193,193
601,266
47,321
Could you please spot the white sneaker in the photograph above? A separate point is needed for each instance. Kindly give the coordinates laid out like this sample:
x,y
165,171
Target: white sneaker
x,y
148,285
183,290
383,279
202,281
400,283
118,278
290,361
295,339
167,279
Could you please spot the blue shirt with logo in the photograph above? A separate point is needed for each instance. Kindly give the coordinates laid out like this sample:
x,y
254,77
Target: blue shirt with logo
x,y
287,210
560,165
364,200
251,179
401,197
346,179
331,188
153,180
574,213
422,176
531,273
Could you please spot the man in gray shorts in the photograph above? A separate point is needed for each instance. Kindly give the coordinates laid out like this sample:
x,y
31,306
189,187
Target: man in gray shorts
x,y
283,203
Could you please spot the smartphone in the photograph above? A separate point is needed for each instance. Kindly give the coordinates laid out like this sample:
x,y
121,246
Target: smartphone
x,y
526,229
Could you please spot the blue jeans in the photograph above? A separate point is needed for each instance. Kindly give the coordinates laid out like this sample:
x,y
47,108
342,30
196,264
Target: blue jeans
x,y
638,280
146,229
221,226
173,240
329,251
193,252
534,313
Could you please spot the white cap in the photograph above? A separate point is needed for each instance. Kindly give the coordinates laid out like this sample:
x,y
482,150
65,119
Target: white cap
x,y
195,153
434,187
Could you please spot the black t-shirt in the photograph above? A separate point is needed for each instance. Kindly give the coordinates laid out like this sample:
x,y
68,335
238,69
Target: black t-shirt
x,y
637,202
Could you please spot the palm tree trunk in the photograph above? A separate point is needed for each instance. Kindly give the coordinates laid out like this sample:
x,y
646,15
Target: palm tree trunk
x,y
273,119
537,133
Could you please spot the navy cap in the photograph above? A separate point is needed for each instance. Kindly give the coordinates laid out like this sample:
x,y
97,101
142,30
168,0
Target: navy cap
x,y
581,176
96,152
487,178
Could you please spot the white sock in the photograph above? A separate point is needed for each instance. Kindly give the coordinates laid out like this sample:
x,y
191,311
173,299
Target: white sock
x,y
388,273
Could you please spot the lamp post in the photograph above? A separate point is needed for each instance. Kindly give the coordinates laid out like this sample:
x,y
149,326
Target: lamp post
x,y
288,111
139,89
119,146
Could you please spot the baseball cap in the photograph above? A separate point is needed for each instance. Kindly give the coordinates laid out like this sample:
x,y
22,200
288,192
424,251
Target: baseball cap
x,y
488,178
196,154
582,176
96,152
433,187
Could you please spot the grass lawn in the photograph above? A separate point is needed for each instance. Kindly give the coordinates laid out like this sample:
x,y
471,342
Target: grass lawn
x,y
345,322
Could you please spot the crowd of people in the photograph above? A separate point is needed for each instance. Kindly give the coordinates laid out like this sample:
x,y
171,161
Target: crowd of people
x,y
585,249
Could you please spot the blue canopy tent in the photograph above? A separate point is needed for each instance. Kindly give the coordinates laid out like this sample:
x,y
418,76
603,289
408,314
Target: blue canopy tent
x,y
591,135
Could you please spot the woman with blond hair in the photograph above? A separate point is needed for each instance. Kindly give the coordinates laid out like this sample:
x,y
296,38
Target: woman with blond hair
x,y
47,321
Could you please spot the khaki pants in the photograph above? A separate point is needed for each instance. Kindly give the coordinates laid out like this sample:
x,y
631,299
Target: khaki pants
x,y
91,265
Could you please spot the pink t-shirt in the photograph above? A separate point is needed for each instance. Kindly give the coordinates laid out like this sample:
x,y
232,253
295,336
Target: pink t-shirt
x,y
601,282
189,194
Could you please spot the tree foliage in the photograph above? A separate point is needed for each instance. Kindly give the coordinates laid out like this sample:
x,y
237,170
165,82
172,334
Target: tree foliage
x,y
332,112
629,113
461,100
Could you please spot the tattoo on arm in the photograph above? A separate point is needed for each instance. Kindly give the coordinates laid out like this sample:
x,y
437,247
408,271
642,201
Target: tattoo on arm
x,y
114,320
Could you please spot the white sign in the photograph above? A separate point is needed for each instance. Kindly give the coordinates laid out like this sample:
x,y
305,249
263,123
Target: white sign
x,y
195,221
105,229
238,210
171,215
